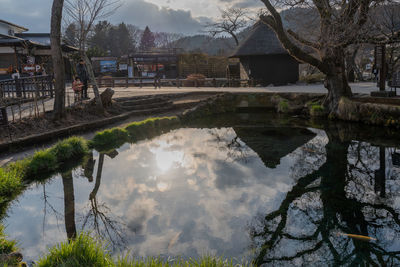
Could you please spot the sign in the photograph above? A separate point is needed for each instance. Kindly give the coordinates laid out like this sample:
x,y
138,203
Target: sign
x,y
30,60
31,68
130,72
3,116
108,66
123,66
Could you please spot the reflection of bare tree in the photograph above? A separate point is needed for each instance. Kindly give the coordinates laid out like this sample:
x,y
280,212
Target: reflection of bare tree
x,y
235,149
99,217
325,202
69,204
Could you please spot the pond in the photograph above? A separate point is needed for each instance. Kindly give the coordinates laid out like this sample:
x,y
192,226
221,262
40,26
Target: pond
x,y
248,186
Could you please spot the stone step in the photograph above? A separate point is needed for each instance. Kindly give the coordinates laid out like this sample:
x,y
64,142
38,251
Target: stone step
x,y
152,110
142,100
146,106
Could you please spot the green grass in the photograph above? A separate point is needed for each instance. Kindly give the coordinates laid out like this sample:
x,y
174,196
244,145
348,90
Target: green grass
x,y
133,132
11,185
73,147
86,251
83,251
283,106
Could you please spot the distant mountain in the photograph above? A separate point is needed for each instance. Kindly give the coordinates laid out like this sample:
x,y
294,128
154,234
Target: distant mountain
x,y
222,46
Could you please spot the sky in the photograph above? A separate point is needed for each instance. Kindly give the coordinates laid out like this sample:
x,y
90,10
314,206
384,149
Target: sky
x,y
180,16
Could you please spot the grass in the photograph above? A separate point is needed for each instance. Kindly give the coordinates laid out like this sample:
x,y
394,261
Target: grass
x,y
133,132
86,251
316,110
283,106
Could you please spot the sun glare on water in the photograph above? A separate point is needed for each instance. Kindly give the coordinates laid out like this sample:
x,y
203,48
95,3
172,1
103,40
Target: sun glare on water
x,y
166,158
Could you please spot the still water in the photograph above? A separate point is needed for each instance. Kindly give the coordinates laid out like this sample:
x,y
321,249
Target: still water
x,y
274,193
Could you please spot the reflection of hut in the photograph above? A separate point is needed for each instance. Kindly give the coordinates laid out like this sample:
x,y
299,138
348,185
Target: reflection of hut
x,y
273,143
263,58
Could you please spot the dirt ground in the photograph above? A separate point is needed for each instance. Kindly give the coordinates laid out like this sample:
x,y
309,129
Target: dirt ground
x,y
43,123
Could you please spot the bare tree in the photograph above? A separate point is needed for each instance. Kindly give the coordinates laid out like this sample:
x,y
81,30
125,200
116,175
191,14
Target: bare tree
x,y
342,23
166,39
58,63
84,13
231,22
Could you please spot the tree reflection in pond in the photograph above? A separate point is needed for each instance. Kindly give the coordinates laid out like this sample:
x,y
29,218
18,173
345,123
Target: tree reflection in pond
x,y
337,197
99,217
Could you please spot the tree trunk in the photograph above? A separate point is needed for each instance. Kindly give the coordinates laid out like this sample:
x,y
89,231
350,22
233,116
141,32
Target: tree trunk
x,y
336,79
58,62
89,68
69,204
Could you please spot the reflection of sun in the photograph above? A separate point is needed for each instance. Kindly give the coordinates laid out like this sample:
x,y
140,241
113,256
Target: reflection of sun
x,y
166,158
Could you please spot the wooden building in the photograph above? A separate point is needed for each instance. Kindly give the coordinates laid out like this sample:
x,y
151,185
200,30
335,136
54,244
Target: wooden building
x,y
263,58
28,52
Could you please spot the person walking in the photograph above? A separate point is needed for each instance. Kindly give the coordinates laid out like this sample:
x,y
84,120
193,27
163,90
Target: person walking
x,y
83,77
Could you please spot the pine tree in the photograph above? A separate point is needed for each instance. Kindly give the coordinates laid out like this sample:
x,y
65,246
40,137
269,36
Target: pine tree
x,y
148,41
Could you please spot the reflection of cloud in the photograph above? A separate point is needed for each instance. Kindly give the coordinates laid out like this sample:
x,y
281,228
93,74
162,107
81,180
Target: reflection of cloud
x,y
200,204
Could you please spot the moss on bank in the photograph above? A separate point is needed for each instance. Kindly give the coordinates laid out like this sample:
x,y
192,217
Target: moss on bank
x,y
86,251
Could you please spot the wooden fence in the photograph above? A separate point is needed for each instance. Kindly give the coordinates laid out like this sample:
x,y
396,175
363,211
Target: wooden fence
x,y
27,87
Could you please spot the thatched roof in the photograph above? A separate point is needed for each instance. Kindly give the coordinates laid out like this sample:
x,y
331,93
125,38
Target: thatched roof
x,y
262,40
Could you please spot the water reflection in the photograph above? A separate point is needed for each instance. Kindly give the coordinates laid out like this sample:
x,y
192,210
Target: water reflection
x,y
345,194
279,195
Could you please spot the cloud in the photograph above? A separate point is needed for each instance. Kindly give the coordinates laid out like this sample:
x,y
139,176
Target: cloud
x,y
142,13
138,12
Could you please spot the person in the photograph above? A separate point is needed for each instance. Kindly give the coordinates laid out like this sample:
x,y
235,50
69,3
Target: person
x,y
84,77
77,87
15,74
375,72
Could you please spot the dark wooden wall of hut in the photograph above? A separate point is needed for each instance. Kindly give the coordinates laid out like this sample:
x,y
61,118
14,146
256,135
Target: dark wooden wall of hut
x,y
271,69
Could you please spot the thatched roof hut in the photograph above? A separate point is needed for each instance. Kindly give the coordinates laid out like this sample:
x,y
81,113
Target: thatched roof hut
x,y
264,59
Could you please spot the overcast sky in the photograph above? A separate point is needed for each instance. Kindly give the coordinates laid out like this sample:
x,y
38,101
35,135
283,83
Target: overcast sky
x,y
182,16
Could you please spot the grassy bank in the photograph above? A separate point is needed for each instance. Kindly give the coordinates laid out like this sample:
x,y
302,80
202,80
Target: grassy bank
x,y
86,251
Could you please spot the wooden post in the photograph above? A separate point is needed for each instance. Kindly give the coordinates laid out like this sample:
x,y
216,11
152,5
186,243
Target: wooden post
x,y
18,87
382,73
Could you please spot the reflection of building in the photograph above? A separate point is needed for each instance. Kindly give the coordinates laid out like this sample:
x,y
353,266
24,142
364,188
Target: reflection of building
x,y
27,52
273,143
263,58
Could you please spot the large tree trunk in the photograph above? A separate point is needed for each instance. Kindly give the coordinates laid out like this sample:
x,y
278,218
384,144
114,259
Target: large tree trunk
x,y
92,78
58,62
336,79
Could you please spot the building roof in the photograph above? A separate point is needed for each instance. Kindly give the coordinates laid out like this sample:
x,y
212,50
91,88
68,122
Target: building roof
x,y
13,25
261,40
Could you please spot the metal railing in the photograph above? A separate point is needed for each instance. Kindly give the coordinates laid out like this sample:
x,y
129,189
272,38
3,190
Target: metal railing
x,y
27,87
147,81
